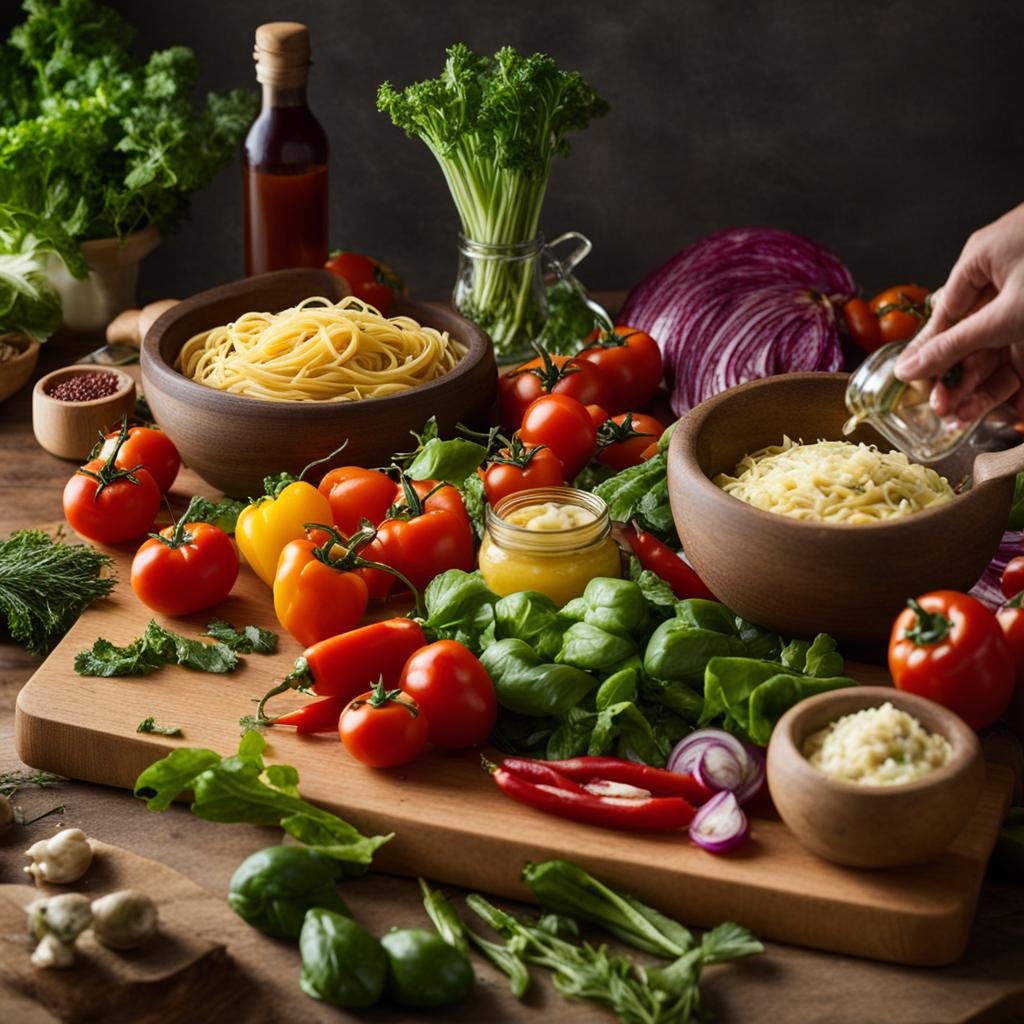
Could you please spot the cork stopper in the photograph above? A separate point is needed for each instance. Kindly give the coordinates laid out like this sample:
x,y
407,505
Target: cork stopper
x,y
282,54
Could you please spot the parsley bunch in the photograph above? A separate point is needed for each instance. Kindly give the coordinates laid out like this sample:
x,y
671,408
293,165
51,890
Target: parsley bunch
x,y
95,143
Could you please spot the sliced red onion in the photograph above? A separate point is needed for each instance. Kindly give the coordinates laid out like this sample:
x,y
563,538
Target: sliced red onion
x,y
740,305
720,825
688,754
988,589
718,768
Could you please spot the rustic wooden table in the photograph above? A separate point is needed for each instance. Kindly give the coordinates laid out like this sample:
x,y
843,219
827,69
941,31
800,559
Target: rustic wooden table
x,y
785,985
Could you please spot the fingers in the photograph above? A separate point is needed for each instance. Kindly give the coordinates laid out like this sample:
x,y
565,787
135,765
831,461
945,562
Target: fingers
x,y
975,368
1002,385
989,327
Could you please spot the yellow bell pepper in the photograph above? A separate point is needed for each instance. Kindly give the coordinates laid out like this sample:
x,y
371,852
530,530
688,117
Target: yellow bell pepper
x,y
264,528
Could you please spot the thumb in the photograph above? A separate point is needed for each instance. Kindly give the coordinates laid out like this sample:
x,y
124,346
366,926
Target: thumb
x,y
988,327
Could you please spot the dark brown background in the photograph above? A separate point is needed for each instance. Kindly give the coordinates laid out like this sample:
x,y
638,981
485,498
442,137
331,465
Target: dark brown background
x,y
887,129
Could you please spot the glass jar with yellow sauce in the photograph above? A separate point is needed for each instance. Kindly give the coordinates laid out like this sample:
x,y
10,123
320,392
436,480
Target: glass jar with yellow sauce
x,y
552,539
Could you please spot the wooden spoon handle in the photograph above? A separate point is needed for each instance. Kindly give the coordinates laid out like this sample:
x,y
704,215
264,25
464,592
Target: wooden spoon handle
x,y
991,466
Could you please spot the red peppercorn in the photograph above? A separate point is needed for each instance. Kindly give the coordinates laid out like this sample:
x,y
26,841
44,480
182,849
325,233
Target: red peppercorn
x,y
84,387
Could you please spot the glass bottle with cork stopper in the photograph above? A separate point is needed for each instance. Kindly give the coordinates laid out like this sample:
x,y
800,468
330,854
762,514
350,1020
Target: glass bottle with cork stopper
x,y
284,159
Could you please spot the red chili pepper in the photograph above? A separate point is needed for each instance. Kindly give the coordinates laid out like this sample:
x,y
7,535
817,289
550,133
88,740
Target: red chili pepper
x,y
346,665
664,562
316,716
541,773
656,781
648,814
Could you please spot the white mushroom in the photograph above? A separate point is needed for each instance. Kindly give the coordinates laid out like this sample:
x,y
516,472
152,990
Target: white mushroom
x,y
57,922
62,858
6,813
124,920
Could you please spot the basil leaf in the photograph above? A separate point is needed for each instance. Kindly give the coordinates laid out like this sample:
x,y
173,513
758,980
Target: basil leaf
x,y
149,725
251,639
165,779
452,461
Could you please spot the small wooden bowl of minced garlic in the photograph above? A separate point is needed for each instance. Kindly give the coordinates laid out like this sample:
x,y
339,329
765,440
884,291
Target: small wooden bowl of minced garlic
x,y
874,777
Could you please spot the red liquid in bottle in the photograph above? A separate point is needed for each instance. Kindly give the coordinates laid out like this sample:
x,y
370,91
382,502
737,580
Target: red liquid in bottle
x,y
284,168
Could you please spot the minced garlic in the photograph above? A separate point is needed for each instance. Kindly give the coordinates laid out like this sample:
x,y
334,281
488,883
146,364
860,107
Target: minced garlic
x,y
880,746
549,516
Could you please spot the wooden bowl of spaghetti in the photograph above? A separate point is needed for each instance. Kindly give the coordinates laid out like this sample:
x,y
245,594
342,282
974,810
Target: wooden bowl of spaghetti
x,y
246,384
802,577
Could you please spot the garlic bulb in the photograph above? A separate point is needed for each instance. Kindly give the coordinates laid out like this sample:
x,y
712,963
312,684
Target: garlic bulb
x,y
62,858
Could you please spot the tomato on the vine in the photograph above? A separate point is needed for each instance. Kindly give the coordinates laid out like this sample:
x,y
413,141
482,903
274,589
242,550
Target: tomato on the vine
x,y
624,439
518,468
454,691
110,503
356,494
630,363
598,415
370,280
1012,581
862,324
548,375
950,648
901,311
427,531
186,568
147,447
383,728
565,426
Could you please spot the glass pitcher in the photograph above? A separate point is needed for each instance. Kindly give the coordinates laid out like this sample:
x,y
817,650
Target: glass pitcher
x,y
504,288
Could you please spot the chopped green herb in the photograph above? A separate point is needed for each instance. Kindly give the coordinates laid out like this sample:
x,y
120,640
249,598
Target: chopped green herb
x,y
223,514
149,725
46,584
154,649
11,782
248,640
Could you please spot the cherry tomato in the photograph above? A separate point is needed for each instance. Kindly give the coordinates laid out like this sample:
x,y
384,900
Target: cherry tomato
x,y
455,693
548,375
427,535
565,426
630,362
625,438
151,448
862,324
107,505
520,469
950,648
355,494
191,569
1012,581
383,728
900,311
368,279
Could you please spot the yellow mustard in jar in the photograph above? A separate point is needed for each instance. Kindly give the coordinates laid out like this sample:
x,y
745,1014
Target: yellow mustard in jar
x,y
554,540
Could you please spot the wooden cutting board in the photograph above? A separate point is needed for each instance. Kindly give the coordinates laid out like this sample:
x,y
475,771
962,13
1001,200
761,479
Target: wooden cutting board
x,y
452,825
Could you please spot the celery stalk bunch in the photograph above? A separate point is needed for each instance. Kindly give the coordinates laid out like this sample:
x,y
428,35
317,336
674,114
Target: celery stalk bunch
x,y
493,125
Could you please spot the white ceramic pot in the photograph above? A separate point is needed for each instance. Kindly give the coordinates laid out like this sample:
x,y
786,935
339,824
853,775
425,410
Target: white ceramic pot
x,y
90,303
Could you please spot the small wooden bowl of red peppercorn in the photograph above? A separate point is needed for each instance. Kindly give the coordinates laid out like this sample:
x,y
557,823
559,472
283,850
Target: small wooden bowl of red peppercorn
x,y
72,405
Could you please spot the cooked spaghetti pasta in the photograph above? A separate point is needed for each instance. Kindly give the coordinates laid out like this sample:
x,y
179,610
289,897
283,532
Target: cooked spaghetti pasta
x,y
319,351
834,482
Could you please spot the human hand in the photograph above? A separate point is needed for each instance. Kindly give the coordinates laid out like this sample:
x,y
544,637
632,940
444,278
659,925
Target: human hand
x,y
977,322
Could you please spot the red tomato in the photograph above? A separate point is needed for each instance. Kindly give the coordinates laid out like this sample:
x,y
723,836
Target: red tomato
x,y
454,691
900,310
427,535
548,375
1012,581
1011,620
193,568
148,447
565,426
383,728
108,505
862,324
598,415
630,362
520,469
369,280
624,439
355,494
950,648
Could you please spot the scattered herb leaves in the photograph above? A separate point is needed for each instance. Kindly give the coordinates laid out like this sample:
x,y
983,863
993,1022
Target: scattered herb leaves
x,y
149,725
248,640
155,648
